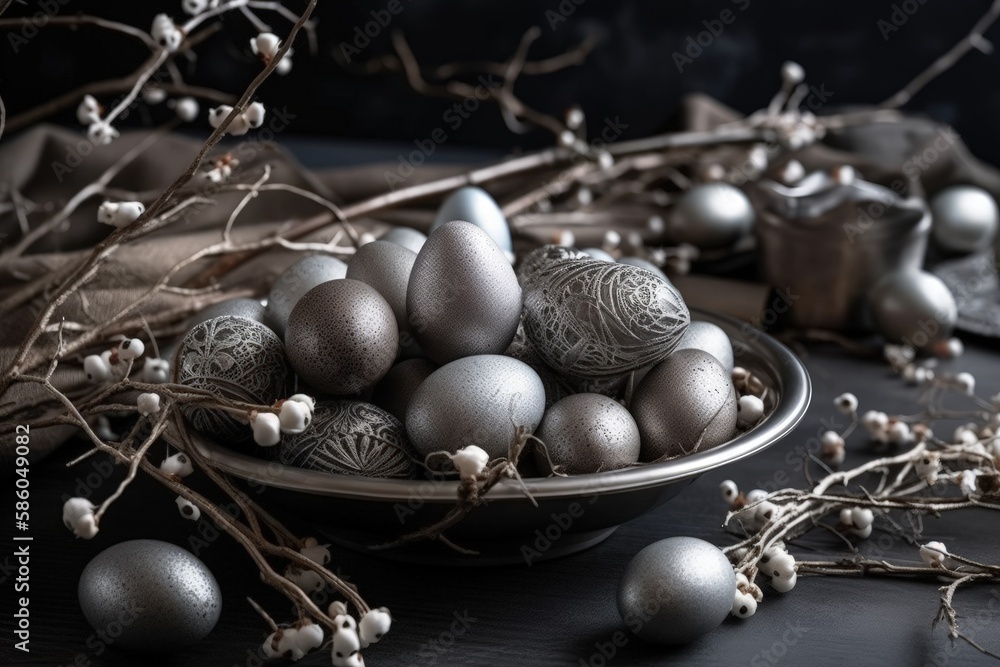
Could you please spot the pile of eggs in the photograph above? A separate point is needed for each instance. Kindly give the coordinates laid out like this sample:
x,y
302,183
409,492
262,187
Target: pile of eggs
x,y
423,344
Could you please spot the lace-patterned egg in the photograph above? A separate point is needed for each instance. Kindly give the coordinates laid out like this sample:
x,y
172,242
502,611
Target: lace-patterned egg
x,y
351,438
593,319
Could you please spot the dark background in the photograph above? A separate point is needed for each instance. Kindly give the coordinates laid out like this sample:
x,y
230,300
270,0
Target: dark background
x,y
631,74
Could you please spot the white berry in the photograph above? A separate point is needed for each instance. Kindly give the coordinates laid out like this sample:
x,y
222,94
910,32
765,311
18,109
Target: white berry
x,y
317,553
148,404
294,417
78,516
266,429
88,111
373,626
966,383
729,491
187,109
155,371
188,509
744,606
309,637
934,554
755,495
131,349
784,584
307,580
254,115
749,410
469,461
846,403
96,368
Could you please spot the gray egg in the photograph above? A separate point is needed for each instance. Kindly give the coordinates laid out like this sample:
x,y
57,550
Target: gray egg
x,y
394,392
351,438
587,433
676,590
685,404
543,257
407,237
475,205
588,318
475,401
597,253
386,267
252,309
646,264
234,358
965,218
342,337
712,215
913,307
295,281
150,596
463,298
710,338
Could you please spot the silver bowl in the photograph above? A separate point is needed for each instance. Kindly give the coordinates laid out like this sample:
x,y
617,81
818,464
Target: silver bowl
x,y
573,513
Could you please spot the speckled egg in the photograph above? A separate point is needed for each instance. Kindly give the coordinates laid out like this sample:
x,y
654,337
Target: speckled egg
x,y
407,237
588,318
351,438
386,267
150,596
295,281
475,205
685,404
475,401
542,258
394,392
711,215
587,433
463,298
235,358
710,338
342,337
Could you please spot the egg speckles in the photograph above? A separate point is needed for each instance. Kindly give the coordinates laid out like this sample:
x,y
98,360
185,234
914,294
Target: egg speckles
x,y
341,337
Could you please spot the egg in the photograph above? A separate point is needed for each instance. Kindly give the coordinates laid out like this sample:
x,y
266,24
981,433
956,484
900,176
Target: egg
x,y
150,596
235,358
342,337
463,298
685,404
475,205
711,215
965,218
407,237
475,400
351,438
588,318
645,264
295,281
385,267
710,338
913,307
542,258
394,392
587,433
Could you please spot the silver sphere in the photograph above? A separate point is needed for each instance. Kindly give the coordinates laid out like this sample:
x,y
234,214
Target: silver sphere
x,y
709,338
913,307
676,590
965,218
149,596
713,215
587,433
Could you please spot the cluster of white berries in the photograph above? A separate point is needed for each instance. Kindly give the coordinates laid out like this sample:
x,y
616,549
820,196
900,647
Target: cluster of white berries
x,y
294,416
222,169
470,461
833,449
148,403
195,7
107,365
186,108
750,406
752,508
935,554
266,45
78,516
166,33
293,642
779,565
89,113
748,594
353,636
306,579
857,520
119,213
882,428
251,118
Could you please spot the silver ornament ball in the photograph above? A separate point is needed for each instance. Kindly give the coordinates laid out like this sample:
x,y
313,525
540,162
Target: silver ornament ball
x,y
149,596
965,218
712,215
587,433
913,307
676,590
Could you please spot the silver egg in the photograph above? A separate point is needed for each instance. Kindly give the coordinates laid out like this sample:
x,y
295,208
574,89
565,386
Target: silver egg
x,y
712,215
475,401
477,206
394,392
341,337
543,257
965,218
913,307
598,254
676,590
295,281
588,318
587,433
646,264
463,298
710,338
149,596
234,358
685,404
407,237
385,267
351,438
252,309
